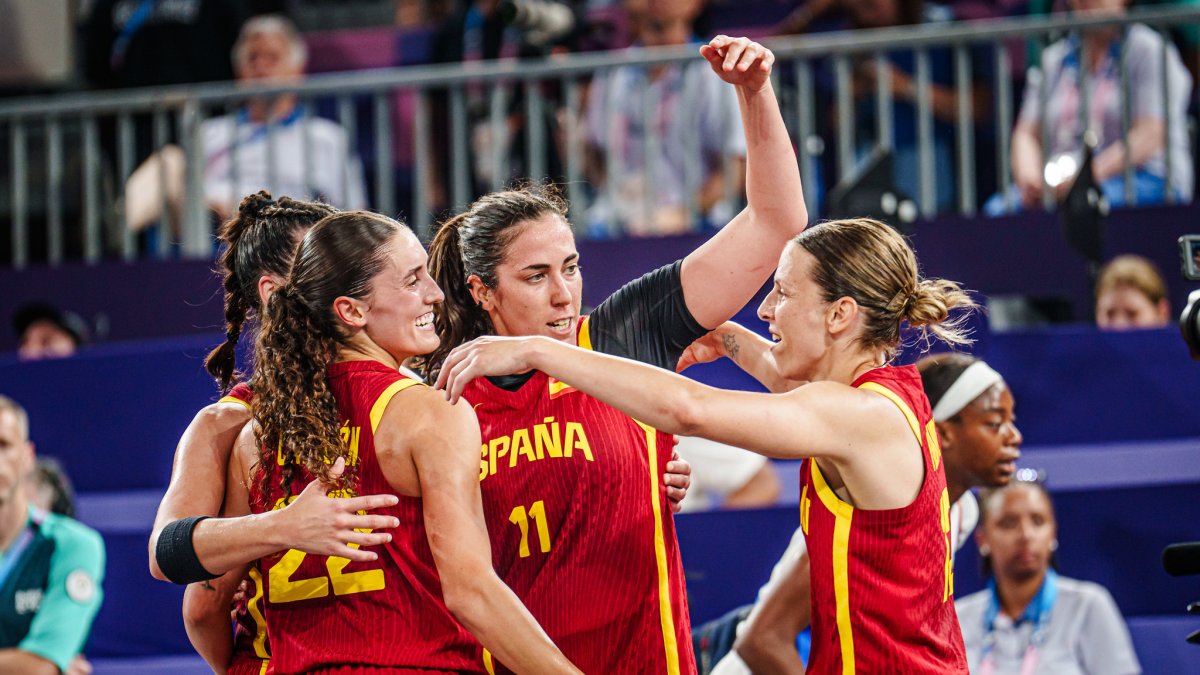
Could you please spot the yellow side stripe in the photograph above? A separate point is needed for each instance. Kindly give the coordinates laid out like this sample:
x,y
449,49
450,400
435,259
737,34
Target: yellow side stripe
x,y
843,515
584,339
260,623
265,664
381,403
895,398
666,616
488,664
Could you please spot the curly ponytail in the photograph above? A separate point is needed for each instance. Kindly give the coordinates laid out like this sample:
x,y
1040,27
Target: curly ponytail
x,y
296,413
473,244
259,240
868,261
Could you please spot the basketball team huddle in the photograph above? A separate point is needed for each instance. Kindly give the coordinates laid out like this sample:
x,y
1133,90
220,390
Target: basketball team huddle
x,y
438,464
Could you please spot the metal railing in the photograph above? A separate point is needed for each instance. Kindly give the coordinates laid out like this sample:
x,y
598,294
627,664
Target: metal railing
x,y
71,156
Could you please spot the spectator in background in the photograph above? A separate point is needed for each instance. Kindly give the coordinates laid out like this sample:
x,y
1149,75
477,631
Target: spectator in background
x,y
1131,294
943,101
54,567
46,332
726,477
484,30
1035,167
269,144
697,144
1029,619
49,488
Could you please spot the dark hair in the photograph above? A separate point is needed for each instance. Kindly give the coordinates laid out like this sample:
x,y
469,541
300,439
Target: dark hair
x,y
940,371
864,259
987,494
474,243
49,473
296,413
259,240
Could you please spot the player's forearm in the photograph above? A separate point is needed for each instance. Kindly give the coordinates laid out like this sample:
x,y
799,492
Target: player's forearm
x,y
495,616
17,661
222,544
206,619
771,655
773,191
666,401
752,353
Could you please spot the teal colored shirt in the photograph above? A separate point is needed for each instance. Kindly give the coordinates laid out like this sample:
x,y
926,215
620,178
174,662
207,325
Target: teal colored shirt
x,y
50,587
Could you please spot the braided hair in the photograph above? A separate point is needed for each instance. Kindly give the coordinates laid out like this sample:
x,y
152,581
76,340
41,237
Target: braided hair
x,y
260,239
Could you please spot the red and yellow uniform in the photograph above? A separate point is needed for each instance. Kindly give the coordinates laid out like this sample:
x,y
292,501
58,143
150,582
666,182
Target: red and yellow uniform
x,y
882,581
580,526
251,653
330,615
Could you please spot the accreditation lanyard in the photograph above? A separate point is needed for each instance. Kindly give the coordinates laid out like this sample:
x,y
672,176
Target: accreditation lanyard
x,y
257,133
17,550
1104,87
1037,613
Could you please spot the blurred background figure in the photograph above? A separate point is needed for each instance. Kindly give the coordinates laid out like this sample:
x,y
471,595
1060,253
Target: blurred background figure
x,y
269,144
1130,294
693,128
49,488
1035,167
726,477
1029,619
46,332
53,567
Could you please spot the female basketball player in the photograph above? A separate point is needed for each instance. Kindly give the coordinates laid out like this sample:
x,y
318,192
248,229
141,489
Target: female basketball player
x,y
874,504
328,391
572,503
259,244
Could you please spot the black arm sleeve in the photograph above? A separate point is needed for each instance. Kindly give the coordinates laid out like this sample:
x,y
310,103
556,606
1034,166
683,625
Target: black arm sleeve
x,y
647,319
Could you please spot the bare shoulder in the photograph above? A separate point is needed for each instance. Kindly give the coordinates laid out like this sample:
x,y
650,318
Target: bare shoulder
x,y
222,415
421,411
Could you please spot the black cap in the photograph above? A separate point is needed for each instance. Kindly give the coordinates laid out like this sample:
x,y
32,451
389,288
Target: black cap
x,y
70,322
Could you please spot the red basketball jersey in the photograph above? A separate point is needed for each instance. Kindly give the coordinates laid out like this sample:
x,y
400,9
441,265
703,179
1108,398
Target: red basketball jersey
x,y
327,614
251,653
581,528
882,582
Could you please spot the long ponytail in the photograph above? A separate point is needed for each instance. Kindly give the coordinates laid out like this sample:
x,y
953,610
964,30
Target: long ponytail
x,y
458,319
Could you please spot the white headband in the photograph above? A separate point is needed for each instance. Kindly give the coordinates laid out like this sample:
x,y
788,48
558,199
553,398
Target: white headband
x,y
976,379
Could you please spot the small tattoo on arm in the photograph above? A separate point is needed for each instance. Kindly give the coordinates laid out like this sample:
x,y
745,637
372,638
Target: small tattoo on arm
x,y
731,346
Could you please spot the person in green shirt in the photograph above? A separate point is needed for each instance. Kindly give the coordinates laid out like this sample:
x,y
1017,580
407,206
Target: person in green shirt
x,y
51,567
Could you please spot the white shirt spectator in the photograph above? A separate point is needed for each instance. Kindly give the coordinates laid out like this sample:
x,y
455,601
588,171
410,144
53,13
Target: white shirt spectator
x,y
300,158
1085,634
717,470
693,121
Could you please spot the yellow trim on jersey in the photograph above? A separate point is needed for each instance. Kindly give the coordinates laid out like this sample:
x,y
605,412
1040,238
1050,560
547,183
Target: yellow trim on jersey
x,y
488,664
843,514
666,616
895,398
260,623
385,398
234,399
265,664
585,334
